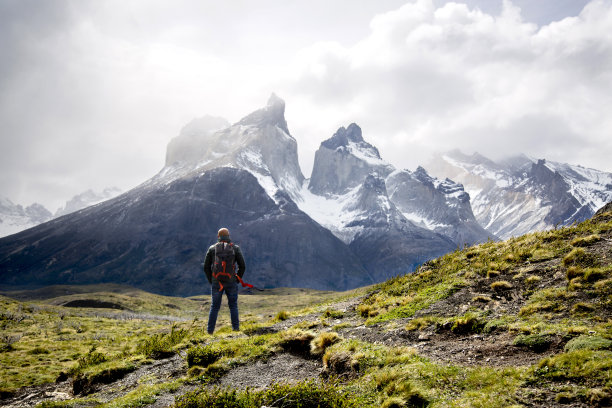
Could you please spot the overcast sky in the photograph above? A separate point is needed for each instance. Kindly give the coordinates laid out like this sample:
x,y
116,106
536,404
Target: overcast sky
x,y
91,92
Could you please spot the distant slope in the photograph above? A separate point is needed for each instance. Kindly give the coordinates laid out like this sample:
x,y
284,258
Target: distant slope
x,y
518,195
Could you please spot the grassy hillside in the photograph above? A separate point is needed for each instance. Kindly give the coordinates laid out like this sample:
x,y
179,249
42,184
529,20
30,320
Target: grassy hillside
x,y
525,322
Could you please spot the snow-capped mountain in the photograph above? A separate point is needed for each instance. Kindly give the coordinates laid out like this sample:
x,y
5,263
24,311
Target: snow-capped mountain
x,y
343,161
259,143
155,235
87,198
15,218
441,206
518,195
406,200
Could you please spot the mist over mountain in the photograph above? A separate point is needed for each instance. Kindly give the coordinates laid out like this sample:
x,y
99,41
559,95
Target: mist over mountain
x,y
15,218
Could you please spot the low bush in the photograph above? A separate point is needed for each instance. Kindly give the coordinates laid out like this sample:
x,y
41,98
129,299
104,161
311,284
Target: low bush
x,y
535,342
533,280
579,257
202,356
586,342
296,341
281,316
161,345
468,323
495,325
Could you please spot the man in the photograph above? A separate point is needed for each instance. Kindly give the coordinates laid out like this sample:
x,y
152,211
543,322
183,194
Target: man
x,y
220,269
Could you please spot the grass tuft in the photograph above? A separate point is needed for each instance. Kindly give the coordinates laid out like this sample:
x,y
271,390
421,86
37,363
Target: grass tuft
x,y
319,344
500,286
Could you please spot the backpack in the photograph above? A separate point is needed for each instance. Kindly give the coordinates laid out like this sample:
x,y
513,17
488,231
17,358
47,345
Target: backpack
x,y
223,269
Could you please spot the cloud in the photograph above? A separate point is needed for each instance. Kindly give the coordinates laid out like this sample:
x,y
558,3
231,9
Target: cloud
x,y
433,78
91,92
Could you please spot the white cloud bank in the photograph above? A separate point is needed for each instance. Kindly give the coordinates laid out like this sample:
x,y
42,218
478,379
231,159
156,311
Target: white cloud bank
x,y
428,79
92,92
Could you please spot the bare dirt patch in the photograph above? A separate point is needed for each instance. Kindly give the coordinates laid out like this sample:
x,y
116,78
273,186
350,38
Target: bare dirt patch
x,y
285,368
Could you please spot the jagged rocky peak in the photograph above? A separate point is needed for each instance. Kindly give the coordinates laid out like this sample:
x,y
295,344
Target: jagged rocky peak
x,y
343,161
272,114
343,136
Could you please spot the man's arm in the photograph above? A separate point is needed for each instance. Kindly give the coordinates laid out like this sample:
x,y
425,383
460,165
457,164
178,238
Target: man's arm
x,y
208,263
240,261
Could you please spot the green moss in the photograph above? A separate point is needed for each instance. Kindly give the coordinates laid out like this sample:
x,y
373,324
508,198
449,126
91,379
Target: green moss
x,y
535,342
587,342
584,366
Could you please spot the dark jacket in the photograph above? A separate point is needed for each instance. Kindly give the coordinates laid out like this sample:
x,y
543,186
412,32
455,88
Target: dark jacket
x,y
210,258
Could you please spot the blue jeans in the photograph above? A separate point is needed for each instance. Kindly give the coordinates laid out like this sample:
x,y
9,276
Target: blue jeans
x,y
231,291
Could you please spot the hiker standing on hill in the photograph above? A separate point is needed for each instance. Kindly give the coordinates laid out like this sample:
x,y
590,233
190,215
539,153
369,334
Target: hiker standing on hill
x,y
220,269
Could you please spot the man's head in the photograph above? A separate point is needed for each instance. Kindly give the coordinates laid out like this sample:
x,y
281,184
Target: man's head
x,y
223,233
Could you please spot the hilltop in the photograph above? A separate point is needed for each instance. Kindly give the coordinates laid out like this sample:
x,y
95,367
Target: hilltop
x,y
524,322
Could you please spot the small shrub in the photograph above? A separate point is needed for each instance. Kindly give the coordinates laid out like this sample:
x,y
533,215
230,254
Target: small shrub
x,y
281,316
322,342
500,286
214,372
535,342
296,341
575,284
604,287
586,241
340,363
580,257
586,342
565,398
160,345
202,356
92,358
300,395
581,365
533,280
195,371
367,310
469,323
494,325
7,341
